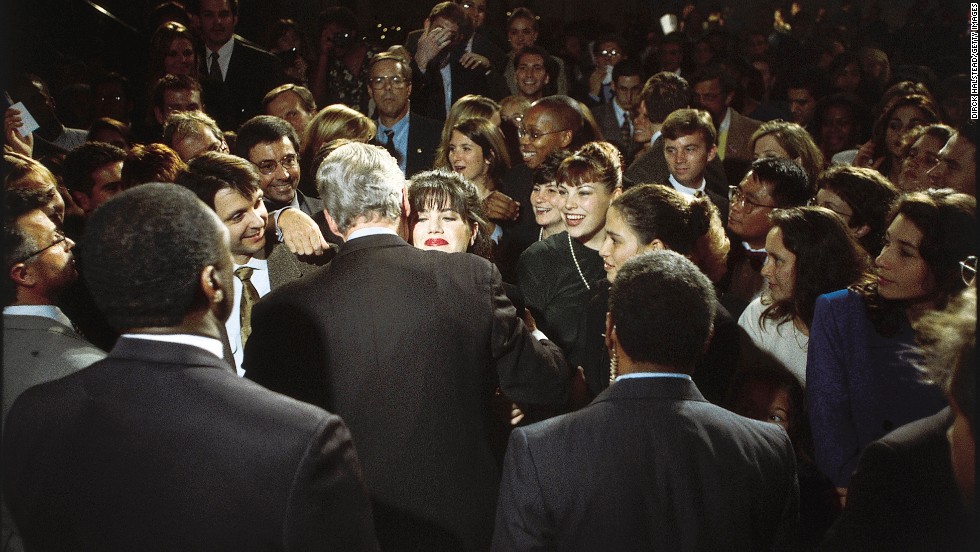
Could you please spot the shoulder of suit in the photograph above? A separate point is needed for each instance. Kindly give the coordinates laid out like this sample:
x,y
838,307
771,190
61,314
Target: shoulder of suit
x,y
417,121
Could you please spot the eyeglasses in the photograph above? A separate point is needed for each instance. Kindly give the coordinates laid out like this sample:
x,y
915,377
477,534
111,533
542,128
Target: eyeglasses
x,y
610,53
269,166
737,197
534,134
812,202
968,270
60,238
396,81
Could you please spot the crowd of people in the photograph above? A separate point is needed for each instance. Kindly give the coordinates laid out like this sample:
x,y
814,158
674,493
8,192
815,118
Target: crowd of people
x,y
469,293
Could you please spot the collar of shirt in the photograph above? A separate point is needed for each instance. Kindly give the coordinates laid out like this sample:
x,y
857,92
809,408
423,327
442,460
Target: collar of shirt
x,y
638,375
224,56
684,189
294,202
209,344
373,231
45,311
654,137
750,250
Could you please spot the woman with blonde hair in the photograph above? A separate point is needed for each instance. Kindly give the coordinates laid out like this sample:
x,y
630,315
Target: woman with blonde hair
x,y
333,122
788,141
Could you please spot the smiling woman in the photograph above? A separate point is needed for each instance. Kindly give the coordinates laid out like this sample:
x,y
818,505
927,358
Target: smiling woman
x,y
556,275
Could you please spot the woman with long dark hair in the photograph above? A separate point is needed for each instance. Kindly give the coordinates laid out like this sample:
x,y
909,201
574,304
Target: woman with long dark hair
x,y
861,375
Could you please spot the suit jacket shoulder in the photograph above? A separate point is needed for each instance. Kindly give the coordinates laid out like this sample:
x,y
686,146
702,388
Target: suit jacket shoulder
x,y
742,495
37,349
145,450
649,167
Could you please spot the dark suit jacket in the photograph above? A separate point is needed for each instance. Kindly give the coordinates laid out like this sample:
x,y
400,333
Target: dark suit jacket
x,y
428,95
648,465
160,447
605,117
252,73
903,496
424,135
408,346
650,167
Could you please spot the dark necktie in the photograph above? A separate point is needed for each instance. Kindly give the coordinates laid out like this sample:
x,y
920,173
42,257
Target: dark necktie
x,y
250,296
214,69
390,145
626,134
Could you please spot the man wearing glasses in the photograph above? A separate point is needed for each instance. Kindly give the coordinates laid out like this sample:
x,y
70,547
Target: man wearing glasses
x,y
770,184
410,138
40,342
608,51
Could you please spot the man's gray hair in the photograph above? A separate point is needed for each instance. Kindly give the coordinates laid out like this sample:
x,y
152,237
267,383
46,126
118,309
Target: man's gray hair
x,y
182,124
360,180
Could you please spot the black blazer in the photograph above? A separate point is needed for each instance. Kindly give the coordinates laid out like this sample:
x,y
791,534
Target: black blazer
x,y
408,346
424,135
902,495
161,447
648,465
252,73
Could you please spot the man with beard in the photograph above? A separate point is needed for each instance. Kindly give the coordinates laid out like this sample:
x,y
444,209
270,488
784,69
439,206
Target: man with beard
x,y
410,138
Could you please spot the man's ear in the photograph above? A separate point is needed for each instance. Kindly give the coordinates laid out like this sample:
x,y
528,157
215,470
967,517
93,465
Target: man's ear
x,y
406,206
712,152
159,115
21,275
211,285
566,138
332,224
729,98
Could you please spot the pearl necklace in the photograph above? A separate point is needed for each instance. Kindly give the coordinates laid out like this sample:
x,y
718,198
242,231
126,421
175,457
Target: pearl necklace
x,y
577,267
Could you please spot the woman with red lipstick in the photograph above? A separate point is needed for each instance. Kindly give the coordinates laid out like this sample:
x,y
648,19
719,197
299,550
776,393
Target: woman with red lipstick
x,y
647,218
809,252
861,376
557,275
447,214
